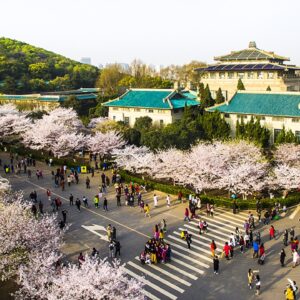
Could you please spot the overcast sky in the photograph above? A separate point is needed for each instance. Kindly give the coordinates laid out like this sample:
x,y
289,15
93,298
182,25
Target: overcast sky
x,y
159,32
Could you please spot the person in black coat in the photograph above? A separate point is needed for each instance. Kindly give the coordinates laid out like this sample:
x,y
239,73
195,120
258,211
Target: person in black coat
x,y
216,264
282,257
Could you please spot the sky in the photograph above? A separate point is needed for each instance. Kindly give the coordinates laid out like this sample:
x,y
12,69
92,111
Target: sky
x,y
159,32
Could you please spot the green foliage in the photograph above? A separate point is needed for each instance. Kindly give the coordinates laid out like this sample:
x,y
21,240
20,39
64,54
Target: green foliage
x,y
286,137
240,85
253,131
219,97
193,126
81,107
268,89
26,69
36,115
133,136
206,100
143,123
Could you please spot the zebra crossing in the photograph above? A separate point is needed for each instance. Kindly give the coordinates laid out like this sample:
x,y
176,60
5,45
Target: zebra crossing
x,y
170,280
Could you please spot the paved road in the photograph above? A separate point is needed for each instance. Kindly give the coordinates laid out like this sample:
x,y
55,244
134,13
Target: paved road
x,y
189,275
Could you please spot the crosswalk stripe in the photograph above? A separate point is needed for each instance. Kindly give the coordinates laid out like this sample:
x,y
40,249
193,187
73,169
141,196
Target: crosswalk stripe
x,y
229,217
150,296
169,265
215,230
178,279
165,282
194,247
239,214
204,235
220,228
150,284
212,220
188,266
196,241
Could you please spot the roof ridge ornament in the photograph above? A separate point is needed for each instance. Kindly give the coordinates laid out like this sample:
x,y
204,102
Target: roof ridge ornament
x,y
252,44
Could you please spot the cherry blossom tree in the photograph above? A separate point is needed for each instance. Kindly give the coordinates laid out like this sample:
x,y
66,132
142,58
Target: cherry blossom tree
x,y
104,143
288,154
95,121
22,236
4,186
94,279
12,122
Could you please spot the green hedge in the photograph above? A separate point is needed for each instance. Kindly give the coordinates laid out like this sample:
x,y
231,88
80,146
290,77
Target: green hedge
x,y
218,201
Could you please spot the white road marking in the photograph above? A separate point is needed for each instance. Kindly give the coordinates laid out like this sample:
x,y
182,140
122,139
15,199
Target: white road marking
x,y
93,228
169,265
204,235
155,267
186,249
217,231
212,221
158,278
188,266
150,284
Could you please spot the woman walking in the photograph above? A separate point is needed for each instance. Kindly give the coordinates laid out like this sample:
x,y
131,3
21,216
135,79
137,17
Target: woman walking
x,y
213,248
216,264
257,285
250,276
272,232
186,215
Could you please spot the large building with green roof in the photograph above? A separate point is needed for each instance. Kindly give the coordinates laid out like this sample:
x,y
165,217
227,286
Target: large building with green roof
x,y
49,100
275,110
258,69
163,106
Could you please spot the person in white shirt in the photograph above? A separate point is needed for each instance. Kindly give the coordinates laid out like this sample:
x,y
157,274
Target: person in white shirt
x,y
168,201
155,199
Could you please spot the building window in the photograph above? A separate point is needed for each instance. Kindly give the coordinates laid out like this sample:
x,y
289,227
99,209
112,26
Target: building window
x,y
137,109
230,75
276,119
250,75
222,75
295,120
241,75
114,118
242,117
161,122
150,110
226,115
276,132
270,75
260,75
126,120
115,108
212,75
262,118
297,134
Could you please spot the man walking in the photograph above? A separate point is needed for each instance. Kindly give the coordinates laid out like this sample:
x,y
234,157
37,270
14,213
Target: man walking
x,y
71,198
78,203
64,214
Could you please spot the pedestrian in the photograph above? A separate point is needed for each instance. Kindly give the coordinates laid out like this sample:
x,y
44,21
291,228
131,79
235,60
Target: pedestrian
x,y
211,209
41,207
188,239
207,209
147,211
78,204
186,215
168,201
96,201
285,237
216,264
95,253
226,250
71,198
111,248
118,196
85,201
257,285
255,249
105,204
282,257
292,232
87,182
295,258
289,293
117,248
242,243
81,259
109,232
76,177
114,233
69,180
103,178
64,214
34,210
200,226
272,232
155,200
213,248
250,276
234,207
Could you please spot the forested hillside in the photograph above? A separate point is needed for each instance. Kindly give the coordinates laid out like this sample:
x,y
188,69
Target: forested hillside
x,y
25,69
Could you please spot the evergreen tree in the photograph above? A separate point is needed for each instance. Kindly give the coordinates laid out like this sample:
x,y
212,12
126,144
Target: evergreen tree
x,y
207,98
268,89
219,98
240,85
201,91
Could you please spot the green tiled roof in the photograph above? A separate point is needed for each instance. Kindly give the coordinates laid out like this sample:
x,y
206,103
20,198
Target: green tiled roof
x,y
160,99
268,104
190,94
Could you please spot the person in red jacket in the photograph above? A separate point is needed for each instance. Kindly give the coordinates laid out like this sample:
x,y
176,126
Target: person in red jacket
x,y
186,215
226,250
261,250
272,232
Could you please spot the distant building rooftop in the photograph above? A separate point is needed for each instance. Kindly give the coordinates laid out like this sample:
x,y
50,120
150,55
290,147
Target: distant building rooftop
x,y
283,104
155,98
